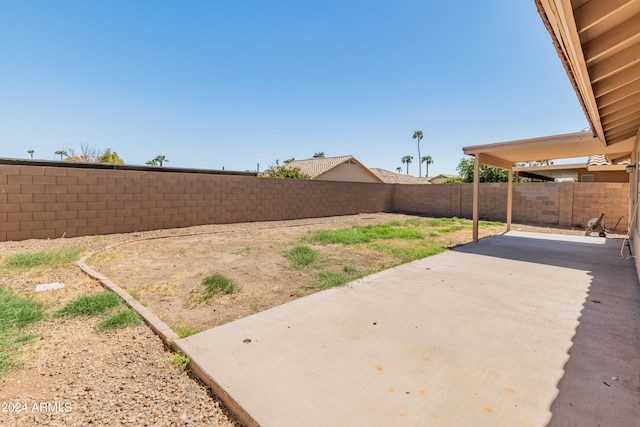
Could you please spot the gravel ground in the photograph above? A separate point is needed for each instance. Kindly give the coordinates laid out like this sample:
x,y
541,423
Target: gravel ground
x,y
72,375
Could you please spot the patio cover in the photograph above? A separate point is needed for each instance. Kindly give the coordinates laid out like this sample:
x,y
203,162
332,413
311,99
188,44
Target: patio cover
x,y
505,154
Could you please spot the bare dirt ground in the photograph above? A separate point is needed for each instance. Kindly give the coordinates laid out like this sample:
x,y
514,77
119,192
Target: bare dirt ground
x,y
125,378
166,274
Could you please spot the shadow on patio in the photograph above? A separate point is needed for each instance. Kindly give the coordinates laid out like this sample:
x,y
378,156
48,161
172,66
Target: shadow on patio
x,y
600,385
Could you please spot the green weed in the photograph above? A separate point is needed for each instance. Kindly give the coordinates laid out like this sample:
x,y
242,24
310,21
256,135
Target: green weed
x,y
301,256
219,284
184,331
180,360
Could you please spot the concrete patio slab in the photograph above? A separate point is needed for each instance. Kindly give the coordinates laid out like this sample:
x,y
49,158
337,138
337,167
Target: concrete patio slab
x,y
518,329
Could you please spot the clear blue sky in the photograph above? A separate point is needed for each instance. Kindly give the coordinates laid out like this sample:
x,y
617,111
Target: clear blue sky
x,y
236,83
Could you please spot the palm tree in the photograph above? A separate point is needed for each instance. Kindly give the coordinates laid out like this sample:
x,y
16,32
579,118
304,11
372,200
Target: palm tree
x,y
31,153
319,155
418,135
152,162
407,160
160,160
61,153
429,161
398,169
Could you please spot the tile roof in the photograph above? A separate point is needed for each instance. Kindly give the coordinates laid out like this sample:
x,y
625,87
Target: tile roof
x,y
598,160
397,178
317,166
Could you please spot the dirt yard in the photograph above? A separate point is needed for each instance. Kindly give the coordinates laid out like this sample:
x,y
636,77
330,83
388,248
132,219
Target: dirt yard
x,y
166,274
125,377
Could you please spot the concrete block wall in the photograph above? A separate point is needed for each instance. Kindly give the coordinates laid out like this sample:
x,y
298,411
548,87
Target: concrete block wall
x,y
48,202
566,204
590,199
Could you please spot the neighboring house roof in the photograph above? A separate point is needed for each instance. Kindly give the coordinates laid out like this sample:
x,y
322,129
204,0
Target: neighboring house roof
x,y
598,160
317,167
397,178
439,178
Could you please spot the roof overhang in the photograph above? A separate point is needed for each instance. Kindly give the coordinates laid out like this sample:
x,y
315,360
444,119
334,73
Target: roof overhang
x,y
580,144
598,42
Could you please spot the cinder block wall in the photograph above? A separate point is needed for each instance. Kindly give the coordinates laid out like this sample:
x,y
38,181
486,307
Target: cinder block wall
x,y
567,204
49,202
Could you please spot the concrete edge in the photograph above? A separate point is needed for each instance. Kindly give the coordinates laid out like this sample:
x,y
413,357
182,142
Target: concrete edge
x,y
163,331
158,326
169,337
231,404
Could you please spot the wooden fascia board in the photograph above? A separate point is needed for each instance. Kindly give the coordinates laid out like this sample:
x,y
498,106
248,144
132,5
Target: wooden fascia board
x,y
524,174
559,20
532,142
606,168
488,159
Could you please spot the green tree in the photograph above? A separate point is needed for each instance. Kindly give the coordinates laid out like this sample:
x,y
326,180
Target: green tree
x,y
319,155
418,135
286,162
487,173
285,172
406,160
110,157
61,153
154,162
398,169
31,153
538,163
428,161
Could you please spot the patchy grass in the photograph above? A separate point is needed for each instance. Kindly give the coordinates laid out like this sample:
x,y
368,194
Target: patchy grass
x,y
395,242
328,279
219,284
411,253
122,319
16,315
109,306
29,260
91,305
301,256
245,250
184,331
365,234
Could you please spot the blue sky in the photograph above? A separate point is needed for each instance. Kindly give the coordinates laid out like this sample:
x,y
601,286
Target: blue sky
x,y
212,84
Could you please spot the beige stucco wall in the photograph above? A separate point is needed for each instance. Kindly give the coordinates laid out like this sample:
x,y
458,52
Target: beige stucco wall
x,y
604,176
634,201
347,172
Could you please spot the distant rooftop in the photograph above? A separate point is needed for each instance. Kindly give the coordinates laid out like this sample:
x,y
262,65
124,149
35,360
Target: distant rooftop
x,y
397,178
